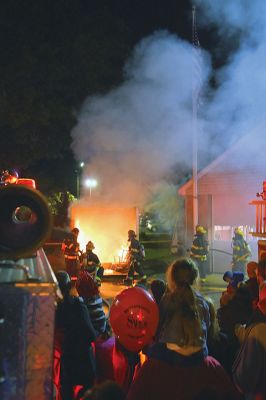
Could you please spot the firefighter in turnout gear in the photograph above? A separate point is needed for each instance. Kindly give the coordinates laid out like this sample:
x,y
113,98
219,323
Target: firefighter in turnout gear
x,y
135,258
71,250
241,251
93,264
200,250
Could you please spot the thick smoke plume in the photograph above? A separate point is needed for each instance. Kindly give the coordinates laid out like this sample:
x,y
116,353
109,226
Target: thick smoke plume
x,y
237,106
132,136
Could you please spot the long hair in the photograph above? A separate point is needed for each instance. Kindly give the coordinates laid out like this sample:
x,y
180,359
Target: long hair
x,y
213,331
181,275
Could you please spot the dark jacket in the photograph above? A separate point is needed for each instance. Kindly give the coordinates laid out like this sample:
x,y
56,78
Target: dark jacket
x,y
70,247
77,360
241,250
135,250
92,261
92,257
237,311
253,288
200,248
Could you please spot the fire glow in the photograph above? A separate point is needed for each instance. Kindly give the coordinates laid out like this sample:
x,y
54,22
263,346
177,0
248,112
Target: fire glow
x,y
106,227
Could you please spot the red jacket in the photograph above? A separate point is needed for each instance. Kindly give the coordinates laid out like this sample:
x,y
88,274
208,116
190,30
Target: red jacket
x,y
167,375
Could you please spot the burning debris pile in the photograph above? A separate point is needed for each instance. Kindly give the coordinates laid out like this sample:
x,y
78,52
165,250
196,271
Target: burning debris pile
x,y
106,227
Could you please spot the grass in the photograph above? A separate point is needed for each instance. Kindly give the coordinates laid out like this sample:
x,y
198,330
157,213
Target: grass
x,y
157,259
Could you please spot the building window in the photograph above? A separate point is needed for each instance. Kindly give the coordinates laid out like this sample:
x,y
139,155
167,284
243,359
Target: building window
x,y
222,232
226,232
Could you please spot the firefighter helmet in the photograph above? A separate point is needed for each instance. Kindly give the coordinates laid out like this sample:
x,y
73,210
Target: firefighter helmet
x,y
75,231
200,230
90,245
239,232
131,234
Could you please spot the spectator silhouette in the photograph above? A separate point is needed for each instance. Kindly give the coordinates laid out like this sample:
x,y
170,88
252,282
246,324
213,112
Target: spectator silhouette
x,y
181,303
87,288
75,329
238,310
178,366
252,283
249,369
218,344
234,279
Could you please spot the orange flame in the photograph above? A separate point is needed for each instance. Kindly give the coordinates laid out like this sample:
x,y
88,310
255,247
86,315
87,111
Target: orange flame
x,y
106,227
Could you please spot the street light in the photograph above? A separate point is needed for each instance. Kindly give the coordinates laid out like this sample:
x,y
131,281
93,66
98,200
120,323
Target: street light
x,y
78,172
90,183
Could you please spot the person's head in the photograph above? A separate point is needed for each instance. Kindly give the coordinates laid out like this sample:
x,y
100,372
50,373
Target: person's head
x,y
238,277
239,233
200,230
90,246
252,269
182,305
158,287
64,282
75,232
131,234
182,271
228,276
86,286
261,271
108,390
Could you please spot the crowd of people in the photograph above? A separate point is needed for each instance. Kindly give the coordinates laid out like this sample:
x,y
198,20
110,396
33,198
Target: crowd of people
x,y
198,352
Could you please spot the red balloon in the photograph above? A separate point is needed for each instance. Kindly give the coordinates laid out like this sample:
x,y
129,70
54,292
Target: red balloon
x,y
134,317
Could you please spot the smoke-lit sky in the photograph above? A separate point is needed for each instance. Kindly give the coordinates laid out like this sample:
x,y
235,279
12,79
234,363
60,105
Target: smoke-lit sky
x,y
131,136
238,105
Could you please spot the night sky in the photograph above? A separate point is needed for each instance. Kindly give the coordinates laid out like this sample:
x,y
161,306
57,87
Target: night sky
x,y
54,54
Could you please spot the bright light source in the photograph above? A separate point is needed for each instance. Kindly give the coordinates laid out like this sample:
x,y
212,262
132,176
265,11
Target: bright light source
x,y
90,183
82,164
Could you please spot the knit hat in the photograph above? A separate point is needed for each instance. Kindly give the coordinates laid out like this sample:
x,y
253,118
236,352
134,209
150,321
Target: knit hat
x,y
262,299
85,285
227,275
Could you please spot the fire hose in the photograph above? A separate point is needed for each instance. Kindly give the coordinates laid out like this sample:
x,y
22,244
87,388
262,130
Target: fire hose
x,y
221,251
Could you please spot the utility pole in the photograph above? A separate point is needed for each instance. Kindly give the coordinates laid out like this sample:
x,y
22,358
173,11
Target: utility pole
x,y
195,103
78,172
